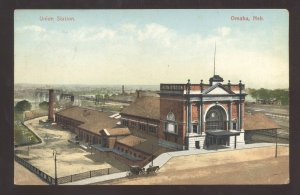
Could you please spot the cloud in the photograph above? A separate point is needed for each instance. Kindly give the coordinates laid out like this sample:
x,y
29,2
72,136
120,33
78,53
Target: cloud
x,y
224,31
155,50
31,28
92,34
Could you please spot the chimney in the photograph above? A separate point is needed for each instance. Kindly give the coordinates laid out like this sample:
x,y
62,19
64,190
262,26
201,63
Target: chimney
x,y
51,106
123,90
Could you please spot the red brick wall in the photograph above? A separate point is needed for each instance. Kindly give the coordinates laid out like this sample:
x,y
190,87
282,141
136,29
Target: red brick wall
x,y
142,120
235,110
243,112
175,105
194,112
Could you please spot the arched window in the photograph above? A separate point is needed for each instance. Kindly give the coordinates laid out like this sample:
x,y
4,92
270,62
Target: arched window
x,y
171,125
171,116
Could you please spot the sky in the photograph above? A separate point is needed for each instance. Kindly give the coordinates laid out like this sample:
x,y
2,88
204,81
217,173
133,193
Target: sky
x,y
149,47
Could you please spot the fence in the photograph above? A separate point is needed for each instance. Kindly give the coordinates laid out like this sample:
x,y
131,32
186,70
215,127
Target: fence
x,y
85,175
65,179
265,135
45,177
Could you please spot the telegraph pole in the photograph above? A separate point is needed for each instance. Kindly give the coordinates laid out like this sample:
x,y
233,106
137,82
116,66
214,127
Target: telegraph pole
x,y
152,156
276,147
55,168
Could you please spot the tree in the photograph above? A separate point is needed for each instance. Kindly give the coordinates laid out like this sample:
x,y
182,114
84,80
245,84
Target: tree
x,y
106,96
23,106
263,94
44,105
253,93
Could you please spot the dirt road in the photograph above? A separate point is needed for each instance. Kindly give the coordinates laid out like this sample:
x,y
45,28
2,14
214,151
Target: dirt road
x,y
23,176
248,166
71,159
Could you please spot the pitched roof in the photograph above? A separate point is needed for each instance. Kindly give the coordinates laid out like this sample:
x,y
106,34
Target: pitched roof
x,y
131,140
258,121
225,88
147,107
92,120
216,78
148,145
117,131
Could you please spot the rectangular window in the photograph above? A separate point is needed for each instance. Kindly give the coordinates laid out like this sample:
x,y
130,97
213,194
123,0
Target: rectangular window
x,y
195,128
234,125
152,129
171,127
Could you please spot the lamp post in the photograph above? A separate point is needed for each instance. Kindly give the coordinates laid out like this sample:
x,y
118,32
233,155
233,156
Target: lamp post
x,y
28,142
55,174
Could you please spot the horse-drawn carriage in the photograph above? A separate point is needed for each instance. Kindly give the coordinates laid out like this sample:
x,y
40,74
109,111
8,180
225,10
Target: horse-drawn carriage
x,y
152,169
136,170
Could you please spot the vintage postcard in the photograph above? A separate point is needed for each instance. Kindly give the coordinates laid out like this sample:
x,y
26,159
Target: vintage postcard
x,y
151,97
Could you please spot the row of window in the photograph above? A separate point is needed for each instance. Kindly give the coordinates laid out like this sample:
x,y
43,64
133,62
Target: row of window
x,y
139,126
125,150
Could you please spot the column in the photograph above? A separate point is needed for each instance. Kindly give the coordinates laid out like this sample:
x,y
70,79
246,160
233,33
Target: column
x,y
241,115
187,118
202,114
199,118
230,115
190,118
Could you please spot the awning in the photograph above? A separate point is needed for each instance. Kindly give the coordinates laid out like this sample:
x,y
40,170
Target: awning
x,y
222,132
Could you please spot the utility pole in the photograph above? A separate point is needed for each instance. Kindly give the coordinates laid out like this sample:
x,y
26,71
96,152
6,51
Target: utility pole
x,y
152,156
276,145
29,141
215,59
55,168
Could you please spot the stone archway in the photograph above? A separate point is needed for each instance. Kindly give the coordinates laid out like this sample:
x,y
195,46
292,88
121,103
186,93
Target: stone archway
x,y
215,118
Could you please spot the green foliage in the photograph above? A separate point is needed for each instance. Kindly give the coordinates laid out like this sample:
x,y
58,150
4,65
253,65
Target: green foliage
x,y
23,106
44,105
23,136
280,95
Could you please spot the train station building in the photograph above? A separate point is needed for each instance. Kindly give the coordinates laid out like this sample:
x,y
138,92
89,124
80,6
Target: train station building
x,y
188,116
182,117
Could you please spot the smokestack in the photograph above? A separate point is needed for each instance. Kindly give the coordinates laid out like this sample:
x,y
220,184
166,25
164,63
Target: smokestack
x,y
123,90
51,106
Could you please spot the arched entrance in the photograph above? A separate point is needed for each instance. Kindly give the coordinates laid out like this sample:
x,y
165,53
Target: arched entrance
x,y
215,118
216,121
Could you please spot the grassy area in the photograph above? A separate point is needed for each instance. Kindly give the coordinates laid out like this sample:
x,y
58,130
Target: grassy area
x,y
22,135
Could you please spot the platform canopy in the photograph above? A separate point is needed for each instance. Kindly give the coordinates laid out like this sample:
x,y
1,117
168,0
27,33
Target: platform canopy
x,y
221,134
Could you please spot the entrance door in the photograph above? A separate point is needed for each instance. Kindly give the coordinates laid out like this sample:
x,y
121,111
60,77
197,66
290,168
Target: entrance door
x,y
216,118
197,144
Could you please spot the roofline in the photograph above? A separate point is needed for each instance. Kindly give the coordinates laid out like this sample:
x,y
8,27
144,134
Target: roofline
x,y
262,129
140,116
133,147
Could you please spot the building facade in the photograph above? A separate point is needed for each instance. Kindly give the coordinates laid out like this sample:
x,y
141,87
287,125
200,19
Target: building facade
x,y
187,116
189,112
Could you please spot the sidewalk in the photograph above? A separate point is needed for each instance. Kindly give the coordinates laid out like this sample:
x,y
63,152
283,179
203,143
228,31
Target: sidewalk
x,y
164,158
